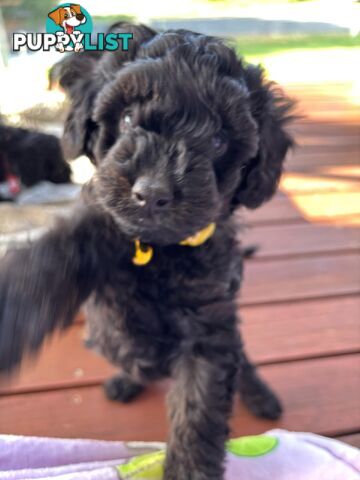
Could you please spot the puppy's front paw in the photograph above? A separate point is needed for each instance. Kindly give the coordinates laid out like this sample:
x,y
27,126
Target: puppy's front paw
x,y
20,310
122,389
60,47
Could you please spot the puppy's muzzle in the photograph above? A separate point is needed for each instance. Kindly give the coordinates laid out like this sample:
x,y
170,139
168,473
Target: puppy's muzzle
x,y
151,195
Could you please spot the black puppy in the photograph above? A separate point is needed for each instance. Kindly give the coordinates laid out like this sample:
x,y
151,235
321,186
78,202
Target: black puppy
x,y
182,133
31,156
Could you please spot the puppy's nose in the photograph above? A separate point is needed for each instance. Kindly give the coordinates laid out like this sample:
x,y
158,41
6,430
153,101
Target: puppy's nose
x,y
79,16
151,195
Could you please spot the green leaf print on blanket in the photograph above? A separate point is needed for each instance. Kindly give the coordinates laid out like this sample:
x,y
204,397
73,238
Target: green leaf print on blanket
x,y
151,465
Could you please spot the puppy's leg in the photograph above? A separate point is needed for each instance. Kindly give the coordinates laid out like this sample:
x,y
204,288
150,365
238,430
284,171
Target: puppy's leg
x,y
42,286
122,388
200,405
255,393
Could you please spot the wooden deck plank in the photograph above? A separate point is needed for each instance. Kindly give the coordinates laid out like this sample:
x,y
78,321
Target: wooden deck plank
x,y
332,208
323,207
63,362
300,278
326,145
330,89
317,159
340,170
324,111
317,182
279,210
330,114
325,136
319,395
314,393
315,129
353,439
272,333
301,330
299,239
336,107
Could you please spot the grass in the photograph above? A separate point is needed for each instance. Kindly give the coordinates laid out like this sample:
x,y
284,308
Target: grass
x,y
110,19
259,46
308,59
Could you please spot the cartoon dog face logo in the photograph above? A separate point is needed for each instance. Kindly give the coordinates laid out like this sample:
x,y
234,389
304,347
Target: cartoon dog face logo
x,y
68,18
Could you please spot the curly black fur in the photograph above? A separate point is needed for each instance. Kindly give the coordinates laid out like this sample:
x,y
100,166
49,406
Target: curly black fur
x,y
32,156
182,132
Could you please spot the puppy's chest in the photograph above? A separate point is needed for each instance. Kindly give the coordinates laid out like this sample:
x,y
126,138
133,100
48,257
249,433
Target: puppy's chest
x,y
161,300
183,276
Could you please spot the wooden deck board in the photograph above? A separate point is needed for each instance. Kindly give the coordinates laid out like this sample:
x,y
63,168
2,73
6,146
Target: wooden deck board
x,y
311,130
300,278
316,159
353,439
324,180
307,141
300,239
312,392
332,208
279,210
300,306
64,362
275,333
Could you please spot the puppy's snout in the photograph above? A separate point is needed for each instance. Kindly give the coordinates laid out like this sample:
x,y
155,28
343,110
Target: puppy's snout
x,y
80,16
151,195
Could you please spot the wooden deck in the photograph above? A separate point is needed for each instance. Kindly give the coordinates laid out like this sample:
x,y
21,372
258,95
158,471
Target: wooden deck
x,y
300,307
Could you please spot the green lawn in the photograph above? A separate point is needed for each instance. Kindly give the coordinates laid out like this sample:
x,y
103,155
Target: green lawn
x,y
259,46
110,19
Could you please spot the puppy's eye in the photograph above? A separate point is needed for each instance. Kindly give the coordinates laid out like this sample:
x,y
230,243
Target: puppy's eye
x,y
122,160
219,144
66,15
126,123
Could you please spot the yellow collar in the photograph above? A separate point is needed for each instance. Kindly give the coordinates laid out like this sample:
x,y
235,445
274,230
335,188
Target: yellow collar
x,y
144,253
200,237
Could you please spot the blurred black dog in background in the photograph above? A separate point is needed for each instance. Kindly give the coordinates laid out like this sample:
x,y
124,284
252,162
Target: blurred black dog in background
x,y
28,157
182,132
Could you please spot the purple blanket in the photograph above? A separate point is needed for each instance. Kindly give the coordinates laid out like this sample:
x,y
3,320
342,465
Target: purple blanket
x,y
277,454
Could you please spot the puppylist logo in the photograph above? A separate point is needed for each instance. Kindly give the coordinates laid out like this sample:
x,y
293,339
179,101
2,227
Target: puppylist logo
x,y
70,23
68,29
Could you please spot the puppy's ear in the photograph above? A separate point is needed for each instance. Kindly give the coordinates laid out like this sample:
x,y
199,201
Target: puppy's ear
x,y
56,16
82,80
76,7
75,75
271,110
